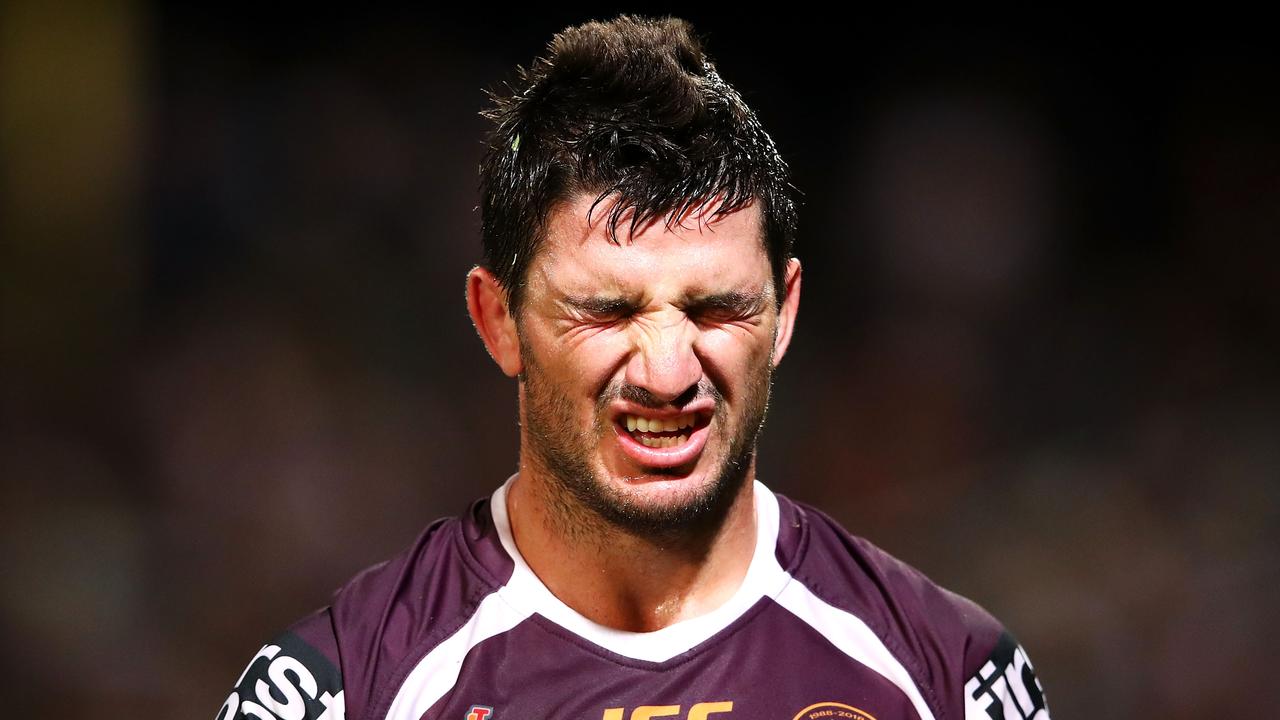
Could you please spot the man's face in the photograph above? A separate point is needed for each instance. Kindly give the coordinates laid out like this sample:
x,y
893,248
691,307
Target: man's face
x,y
647,364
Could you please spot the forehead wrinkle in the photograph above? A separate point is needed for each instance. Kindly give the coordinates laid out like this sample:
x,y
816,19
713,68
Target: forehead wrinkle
x,y
596,284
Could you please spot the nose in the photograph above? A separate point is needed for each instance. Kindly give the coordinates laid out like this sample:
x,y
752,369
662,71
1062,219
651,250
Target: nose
x,y
664,361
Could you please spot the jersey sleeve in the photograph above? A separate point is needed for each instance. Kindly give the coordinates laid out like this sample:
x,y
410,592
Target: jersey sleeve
x,y
961,658
1005,686
296,676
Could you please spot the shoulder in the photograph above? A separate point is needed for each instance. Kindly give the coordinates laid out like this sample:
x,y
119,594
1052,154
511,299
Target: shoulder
x,y
955,651
380,623
894,598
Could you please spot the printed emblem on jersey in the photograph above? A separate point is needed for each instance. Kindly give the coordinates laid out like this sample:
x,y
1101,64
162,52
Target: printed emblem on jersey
x,y
832,711
286,680
480,712
1006,686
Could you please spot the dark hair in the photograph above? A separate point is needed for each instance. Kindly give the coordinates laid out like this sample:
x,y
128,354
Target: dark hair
x,y
632,108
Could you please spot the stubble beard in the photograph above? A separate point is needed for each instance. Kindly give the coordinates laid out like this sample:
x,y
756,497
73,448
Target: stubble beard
x,y
584,507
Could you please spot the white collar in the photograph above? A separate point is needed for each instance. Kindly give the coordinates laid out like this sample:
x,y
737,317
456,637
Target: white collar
x,y
764,578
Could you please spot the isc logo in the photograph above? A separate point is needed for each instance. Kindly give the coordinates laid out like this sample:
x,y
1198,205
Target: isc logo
x,y
700,711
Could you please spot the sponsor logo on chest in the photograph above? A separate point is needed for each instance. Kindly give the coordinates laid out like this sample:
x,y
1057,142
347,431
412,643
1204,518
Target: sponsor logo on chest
x,y
698,711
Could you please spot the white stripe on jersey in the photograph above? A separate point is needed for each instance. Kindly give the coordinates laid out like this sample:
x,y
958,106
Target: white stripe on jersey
x,y
852,637
437,672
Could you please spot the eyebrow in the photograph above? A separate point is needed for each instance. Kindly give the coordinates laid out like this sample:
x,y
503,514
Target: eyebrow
x,y
734,301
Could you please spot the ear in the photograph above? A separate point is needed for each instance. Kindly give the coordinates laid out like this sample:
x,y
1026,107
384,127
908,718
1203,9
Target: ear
x,y
487,304
787,313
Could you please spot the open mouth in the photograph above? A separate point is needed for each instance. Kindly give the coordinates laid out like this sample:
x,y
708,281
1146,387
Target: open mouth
x,y
667,432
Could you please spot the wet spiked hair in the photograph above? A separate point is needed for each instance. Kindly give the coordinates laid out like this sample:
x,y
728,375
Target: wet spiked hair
x,y
630,108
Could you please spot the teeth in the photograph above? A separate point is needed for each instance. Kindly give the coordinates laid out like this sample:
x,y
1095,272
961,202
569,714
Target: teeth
x,y
635,422
668,442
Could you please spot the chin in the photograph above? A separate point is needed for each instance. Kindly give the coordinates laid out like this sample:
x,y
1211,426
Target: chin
x,y
664,489
666,500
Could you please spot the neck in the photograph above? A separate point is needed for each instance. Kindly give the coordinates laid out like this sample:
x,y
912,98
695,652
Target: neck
x,y
627,580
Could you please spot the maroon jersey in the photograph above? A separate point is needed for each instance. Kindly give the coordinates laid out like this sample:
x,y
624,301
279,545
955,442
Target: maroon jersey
x,y
825,626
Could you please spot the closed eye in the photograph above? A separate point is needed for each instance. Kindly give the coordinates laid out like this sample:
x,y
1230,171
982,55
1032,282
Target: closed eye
x,y
718,315
601,309
725,307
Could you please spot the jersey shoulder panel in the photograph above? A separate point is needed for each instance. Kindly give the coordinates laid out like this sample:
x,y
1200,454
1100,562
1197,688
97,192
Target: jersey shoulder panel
x,y
390,615
941,638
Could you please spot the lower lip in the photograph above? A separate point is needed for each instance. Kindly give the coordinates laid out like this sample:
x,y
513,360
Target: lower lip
x,y
670,457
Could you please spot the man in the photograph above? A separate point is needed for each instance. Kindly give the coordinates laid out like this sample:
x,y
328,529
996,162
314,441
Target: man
x,y
638,281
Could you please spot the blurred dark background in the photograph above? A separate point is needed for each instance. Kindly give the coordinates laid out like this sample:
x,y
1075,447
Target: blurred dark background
x,y
1036,355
